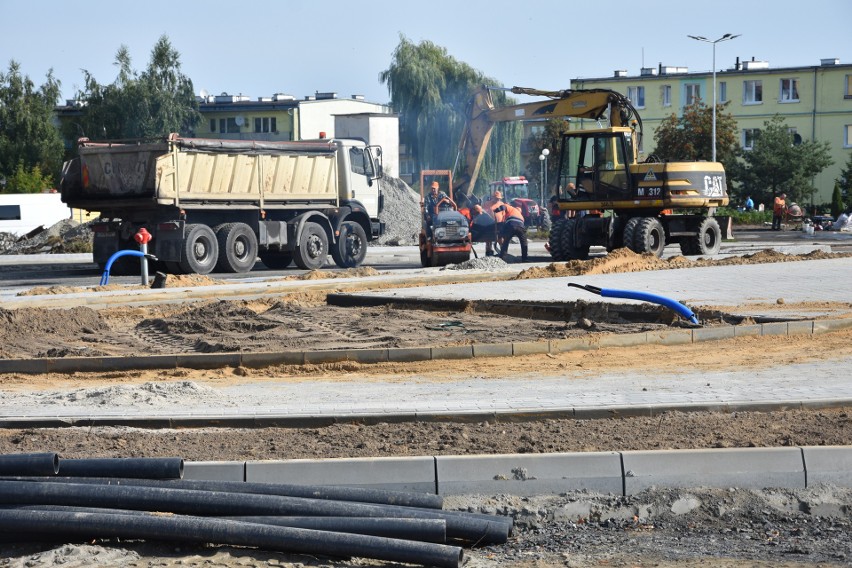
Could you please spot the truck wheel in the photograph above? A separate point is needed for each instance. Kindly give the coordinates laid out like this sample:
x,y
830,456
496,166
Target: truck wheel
x,y
312,249
545,224
709,236
569,242
200,250
237,247
351,247
650,236
557,251
276,260
628,235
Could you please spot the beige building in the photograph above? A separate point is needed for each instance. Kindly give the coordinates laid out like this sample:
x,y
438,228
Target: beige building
x,y
815,102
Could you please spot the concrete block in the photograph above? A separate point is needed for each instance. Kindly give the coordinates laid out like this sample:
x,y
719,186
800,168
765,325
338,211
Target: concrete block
x,y
748,330
749,468
208,360
326,356
670,337
530,348
824,326
800,327
622,339
215,470
530,474
712,333
409,354
575,344
368,356
453,352
75,365
259,360
27,366
396,474
774,328
492,350
139,363
828,464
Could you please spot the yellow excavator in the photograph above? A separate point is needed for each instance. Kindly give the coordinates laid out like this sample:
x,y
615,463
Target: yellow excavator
x,y
605,195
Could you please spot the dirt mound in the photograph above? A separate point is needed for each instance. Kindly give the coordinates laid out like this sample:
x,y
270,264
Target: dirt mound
x,y
401,213
42,332
625,260
359,272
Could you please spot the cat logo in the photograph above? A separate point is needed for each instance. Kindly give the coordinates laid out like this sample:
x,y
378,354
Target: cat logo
x,y
650,176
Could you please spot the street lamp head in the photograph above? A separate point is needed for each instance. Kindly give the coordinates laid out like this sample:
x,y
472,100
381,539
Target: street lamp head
x,y
542,157
545,152
699,38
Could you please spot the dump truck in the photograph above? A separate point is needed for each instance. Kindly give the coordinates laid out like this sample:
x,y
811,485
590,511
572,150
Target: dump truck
x,y
606,196
220,204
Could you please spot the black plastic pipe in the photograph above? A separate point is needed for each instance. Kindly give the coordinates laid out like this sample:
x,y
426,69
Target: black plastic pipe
x,y
473,529
45,463
424,530
234,533
333,492
144,468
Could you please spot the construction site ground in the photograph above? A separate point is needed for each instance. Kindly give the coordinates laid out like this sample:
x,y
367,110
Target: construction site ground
x,y
661,527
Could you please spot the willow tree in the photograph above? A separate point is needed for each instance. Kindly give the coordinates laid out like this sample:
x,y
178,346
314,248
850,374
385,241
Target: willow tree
x,y
153,103
430,91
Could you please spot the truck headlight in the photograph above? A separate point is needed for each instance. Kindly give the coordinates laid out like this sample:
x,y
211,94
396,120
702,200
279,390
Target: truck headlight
x,y
463,232
440,233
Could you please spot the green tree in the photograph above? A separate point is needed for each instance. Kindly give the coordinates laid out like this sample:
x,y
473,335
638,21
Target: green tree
x,y
153,103
845,181
430,91
30,144
837,206
776,164
690,136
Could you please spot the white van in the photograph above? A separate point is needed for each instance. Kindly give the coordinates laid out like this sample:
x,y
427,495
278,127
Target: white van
x,y
20,213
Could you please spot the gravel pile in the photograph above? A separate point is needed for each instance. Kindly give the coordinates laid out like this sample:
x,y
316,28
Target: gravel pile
x,y
484,263
401,213
55,239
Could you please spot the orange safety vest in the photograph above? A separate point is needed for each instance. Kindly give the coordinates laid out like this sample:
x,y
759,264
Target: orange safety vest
x,y
514,212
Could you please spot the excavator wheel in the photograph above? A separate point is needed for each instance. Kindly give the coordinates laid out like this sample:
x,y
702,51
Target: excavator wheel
x,y
569,242
650,236
629,233
709,236
557,251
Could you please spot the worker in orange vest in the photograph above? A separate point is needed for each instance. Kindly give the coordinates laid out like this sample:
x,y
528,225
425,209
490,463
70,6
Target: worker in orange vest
x,y
513,226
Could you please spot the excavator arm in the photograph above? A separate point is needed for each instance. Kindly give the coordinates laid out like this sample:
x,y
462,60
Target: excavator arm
x,y
482,115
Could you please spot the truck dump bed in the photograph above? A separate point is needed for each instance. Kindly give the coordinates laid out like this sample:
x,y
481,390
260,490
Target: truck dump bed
x,y
185,171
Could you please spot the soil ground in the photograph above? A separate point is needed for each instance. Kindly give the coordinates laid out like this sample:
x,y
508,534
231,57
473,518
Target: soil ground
x,y
731,528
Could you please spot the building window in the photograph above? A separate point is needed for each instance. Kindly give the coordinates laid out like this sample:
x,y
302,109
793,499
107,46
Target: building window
x,y
212,125
229,125
723,91
789,90
847,139
848,93
693,93
752,92
265,124
636,96
667,95
749,136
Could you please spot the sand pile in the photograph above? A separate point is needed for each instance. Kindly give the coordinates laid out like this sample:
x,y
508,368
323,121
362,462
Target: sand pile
x,y
401,213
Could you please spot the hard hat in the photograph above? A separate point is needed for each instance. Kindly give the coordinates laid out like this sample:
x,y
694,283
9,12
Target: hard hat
x,y
498,194
435,185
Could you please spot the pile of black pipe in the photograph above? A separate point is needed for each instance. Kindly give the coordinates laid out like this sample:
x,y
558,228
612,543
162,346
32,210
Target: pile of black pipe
x,y
118,498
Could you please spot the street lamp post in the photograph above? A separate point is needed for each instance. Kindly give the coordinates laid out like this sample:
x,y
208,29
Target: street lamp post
x,y
725,37
543,159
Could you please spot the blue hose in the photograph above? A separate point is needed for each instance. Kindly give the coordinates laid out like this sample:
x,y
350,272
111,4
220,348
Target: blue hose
x,y
105,276
674,305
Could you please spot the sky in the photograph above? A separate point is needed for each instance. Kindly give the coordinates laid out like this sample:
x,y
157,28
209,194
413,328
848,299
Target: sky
x,y
264,47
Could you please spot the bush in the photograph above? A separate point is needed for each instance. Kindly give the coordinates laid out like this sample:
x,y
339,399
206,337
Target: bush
x,y
745,217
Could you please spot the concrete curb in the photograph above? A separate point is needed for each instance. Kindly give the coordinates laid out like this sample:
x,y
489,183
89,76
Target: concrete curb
x,y
623,473
411,354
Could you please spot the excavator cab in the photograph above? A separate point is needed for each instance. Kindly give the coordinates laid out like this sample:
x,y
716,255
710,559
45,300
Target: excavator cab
x,y
597,163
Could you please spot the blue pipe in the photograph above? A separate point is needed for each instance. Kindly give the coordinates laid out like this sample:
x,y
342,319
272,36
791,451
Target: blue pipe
x,y
674,305
115,256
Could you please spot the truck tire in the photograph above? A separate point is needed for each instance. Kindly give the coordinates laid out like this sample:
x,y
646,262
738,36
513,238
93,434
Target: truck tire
x,y
557,251
569,242
650,236
545,224
200,250
351,247
276,260
312,249
237,247
628,235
